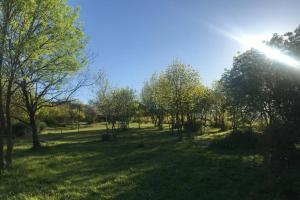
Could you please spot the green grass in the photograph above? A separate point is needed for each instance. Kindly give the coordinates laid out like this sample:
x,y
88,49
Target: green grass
x,y
81,166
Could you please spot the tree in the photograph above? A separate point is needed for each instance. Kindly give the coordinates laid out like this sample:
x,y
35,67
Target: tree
x,y
53,44
246,88
90,114
103,100
257,86
41,44
122,102
9,67
173,92
139,110
180,80
150,101
117,105
219,106
199,108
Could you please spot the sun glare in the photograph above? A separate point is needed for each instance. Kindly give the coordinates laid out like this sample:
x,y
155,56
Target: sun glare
x,y
256,42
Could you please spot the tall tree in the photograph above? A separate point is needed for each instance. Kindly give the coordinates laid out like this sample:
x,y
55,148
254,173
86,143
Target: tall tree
x,y
219,105
9,68
122,101
41,45
151,102
173,91
181,79
53,44
103,99
258,86
5,21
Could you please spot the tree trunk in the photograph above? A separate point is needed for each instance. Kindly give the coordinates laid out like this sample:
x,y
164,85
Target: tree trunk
x,y
178,125
4,31
2,127
10,144
179,134
31,111
204,124
234,121
172,124
35,137
160,121
106,124
1,149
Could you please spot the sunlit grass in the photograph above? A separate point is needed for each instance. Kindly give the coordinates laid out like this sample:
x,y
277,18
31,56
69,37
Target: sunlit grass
x,y
81,166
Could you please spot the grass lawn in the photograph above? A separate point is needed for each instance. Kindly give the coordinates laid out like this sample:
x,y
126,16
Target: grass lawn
x,y
81,166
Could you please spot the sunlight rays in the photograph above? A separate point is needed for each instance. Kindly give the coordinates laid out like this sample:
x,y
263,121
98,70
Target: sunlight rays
x,y
257,42
275,54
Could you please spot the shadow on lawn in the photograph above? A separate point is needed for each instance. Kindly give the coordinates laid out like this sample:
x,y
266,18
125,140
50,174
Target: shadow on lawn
x,y
163,169
238,143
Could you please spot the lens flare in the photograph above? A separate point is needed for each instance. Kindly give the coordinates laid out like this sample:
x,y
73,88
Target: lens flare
x,y
275,54
256,42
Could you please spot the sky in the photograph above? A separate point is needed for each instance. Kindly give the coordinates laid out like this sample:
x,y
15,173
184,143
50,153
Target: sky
x,y
132,39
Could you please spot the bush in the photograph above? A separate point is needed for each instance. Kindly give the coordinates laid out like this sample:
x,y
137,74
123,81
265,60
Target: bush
x,y
20,129
106,137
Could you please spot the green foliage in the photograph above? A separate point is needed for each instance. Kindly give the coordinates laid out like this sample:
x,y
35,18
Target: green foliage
x,y
90,114
267,92
218,107
152,108
66,114
117,105
175,86
257,88
123,104
178,95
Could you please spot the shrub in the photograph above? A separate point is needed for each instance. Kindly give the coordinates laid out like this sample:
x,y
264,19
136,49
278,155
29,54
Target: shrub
x,y
20,129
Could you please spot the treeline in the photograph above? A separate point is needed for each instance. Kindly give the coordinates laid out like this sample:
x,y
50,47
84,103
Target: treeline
x,y
257,94
176,97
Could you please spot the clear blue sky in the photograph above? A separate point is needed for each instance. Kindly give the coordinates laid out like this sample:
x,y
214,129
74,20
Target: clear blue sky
x,y
135,38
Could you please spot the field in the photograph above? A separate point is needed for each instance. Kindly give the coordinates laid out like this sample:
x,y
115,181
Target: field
x,y
76,165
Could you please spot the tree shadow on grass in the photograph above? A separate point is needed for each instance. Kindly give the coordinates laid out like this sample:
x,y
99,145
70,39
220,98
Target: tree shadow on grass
x,y
86,168
193,175
237,144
